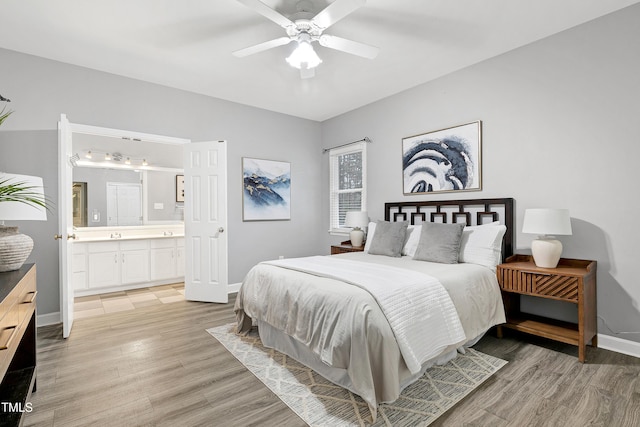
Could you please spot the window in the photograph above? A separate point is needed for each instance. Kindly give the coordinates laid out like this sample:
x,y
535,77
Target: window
x,y
348,181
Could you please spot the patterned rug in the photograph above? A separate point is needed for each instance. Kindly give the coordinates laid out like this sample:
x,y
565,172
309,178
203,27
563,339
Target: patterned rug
x,y
321,403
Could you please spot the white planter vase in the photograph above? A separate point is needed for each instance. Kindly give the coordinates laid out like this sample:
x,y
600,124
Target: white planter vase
x,y
14,248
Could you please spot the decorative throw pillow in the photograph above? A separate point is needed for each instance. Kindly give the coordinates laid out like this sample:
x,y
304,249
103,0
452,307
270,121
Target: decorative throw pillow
x,y
371,230
482,244
412,239
439,243
388,238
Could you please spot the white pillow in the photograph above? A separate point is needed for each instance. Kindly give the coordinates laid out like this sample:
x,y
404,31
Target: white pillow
x,y
412,239
370,230
482,244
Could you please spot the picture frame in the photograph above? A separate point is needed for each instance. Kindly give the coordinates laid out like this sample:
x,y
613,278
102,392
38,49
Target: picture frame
x,y
266,190
444,160
179,188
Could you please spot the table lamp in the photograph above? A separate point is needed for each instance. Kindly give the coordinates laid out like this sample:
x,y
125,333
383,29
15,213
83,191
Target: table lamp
x,y
547,223
356,220
21,199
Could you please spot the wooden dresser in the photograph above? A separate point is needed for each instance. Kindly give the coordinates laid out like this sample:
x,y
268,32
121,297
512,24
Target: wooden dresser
x,y
17,343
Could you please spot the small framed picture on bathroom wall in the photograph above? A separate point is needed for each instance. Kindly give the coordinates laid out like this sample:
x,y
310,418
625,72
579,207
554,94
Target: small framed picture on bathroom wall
x,y
179,188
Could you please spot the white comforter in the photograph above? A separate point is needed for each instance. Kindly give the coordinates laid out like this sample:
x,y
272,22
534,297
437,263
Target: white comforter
x,y
411,301
342,329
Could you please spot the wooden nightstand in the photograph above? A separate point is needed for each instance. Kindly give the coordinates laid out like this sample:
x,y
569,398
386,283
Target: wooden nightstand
x,y
573,281
345,247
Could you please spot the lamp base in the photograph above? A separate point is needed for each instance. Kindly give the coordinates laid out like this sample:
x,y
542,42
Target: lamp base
x,y
546,252
357,237
15,248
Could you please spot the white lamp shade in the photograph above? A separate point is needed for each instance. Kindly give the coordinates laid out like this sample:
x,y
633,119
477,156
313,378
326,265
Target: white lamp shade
x,y
359,219
550,222
18,211
304,54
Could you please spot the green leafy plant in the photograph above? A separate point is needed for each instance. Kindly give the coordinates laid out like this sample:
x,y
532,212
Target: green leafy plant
x,y
3,115
21,192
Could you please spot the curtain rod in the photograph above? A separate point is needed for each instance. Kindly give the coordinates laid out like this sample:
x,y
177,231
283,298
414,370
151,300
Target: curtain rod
x,y
365,139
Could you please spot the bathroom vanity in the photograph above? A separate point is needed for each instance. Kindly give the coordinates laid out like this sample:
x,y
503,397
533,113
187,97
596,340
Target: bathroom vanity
x,y
109,259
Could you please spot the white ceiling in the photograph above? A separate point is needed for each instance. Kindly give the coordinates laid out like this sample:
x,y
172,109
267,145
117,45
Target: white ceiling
x,y
188,44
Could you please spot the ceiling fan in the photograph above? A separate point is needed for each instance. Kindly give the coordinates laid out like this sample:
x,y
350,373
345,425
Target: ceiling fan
x,y
305,28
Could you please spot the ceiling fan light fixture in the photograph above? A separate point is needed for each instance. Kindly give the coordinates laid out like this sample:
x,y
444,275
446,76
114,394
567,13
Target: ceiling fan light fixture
x,y
304,56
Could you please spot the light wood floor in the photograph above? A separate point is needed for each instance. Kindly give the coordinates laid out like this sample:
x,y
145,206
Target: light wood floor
x,y
157,365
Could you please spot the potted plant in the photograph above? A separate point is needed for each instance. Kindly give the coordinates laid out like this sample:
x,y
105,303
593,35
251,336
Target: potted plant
x,y
3,115
21,198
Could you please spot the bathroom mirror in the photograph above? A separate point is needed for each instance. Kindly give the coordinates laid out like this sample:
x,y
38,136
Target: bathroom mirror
x,y
124,182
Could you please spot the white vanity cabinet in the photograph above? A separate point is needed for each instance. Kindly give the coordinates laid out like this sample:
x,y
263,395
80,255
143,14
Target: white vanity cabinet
x,y
107,266
134,256
163,259
180,258
104,264
167,258
80,267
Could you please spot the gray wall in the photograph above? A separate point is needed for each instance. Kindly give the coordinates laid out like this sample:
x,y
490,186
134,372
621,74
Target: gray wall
x,y
559,130
161,188
42,89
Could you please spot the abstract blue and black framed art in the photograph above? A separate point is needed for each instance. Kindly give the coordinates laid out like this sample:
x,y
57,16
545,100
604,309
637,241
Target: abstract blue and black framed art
x,y
266,190
443,160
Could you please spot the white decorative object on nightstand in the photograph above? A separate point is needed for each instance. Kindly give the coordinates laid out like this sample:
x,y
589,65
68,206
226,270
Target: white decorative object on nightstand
x,y
546,250
357,220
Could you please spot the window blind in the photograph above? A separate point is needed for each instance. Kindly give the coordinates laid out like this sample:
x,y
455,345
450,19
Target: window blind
x,y
348,179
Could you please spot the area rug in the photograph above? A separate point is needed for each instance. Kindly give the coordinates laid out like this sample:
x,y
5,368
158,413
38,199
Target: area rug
x,y
321,403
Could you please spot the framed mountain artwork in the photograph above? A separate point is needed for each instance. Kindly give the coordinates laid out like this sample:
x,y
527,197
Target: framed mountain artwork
x,y
266,190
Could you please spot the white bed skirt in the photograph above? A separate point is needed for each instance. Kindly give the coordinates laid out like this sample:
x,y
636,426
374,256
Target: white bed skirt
x,y
276,339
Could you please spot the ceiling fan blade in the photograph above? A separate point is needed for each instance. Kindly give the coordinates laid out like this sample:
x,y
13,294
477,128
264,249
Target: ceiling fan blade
x,y
349,46
307,73
335,12
262,47
268,13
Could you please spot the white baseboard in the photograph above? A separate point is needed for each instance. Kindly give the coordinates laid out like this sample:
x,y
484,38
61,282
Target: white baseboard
x,y
48,319
233,287
630,348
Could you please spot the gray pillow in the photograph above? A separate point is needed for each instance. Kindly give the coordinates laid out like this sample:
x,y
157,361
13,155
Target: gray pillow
x,y
388,238
439,243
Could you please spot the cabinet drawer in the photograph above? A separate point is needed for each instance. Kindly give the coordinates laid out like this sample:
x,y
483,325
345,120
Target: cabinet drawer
x,y
98,247
79,248
27,296
163,243
134,245
540,284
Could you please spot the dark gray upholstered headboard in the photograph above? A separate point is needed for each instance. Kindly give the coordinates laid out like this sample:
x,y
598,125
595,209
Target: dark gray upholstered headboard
x,y
471,212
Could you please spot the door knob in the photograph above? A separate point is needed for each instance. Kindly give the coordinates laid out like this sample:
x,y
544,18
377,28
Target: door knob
x,y
57,236
220,230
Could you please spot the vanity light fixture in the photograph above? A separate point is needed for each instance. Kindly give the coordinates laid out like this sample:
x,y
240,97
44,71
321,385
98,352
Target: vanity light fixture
x,y
128,161
107,156
144,162
88,155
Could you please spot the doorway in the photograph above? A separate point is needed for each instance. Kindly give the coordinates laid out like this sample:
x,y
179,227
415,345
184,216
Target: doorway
x,y
200,232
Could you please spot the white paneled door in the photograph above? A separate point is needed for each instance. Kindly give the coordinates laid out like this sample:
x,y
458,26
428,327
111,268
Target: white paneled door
x,y
205,220
65,223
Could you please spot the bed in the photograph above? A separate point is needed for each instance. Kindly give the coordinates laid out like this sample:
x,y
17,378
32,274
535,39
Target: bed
x,y
374,321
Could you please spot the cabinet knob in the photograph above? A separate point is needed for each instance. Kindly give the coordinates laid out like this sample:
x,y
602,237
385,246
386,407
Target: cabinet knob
x,y
221,230
57,236
71,236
